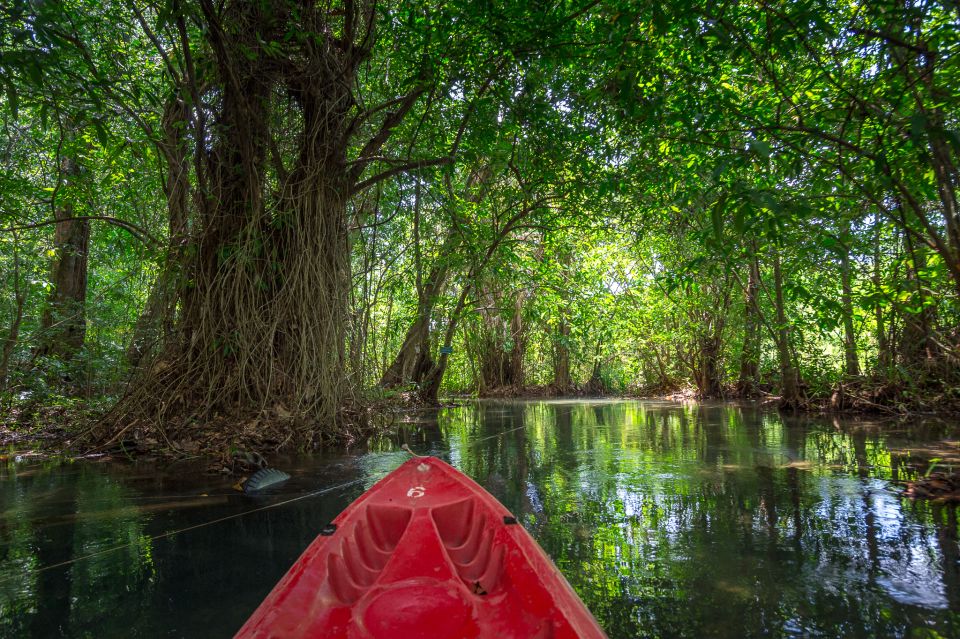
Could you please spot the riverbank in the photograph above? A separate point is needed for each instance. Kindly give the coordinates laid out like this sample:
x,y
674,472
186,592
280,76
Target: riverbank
x,y
70,429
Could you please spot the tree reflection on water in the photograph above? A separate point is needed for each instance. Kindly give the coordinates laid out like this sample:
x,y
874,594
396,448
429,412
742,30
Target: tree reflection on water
x,y
668,519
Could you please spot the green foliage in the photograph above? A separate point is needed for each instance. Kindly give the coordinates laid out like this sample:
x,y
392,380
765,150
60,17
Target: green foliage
x,y
591,187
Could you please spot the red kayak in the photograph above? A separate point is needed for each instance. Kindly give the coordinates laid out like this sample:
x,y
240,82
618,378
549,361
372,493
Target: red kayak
x,y
426,552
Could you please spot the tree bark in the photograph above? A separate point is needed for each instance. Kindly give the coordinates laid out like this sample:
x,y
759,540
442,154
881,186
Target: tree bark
x,y
918,348
64,323
503,344
264,285
562,379
518,333
884,356
414,360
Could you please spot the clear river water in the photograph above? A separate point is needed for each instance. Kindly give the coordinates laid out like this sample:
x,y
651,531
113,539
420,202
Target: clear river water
x,y
669,519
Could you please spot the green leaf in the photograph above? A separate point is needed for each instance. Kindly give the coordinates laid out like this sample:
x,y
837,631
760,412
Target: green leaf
x,y
13,100
762,149
918,126
716,216
101,131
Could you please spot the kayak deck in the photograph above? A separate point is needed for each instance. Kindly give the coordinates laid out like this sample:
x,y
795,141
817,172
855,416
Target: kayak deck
x,y
426,552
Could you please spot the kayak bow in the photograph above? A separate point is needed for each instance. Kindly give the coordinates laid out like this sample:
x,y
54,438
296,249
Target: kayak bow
x,y
426,552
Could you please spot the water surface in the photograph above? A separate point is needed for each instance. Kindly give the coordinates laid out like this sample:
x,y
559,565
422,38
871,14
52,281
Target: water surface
x,y
670,520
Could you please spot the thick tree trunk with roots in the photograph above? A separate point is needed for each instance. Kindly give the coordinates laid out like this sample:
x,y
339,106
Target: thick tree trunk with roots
x,y
264,285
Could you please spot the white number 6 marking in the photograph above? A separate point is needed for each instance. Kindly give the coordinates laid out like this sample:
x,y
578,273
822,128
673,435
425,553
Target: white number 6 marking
x,y
416,491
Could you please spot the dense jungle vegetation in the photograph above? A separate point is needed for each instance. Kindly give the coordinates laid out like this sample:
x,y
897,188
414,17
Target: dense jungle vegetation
x,y
264,217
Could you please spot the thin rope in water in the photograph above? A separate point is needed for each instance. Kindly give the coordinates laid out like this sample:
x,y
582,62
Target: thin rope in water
x,y
447,453
501,433
171,533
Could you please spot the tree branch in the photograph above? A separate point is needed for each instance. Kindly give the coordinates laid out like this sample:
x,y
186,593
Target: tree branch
x,y
403,168
136,231
392,119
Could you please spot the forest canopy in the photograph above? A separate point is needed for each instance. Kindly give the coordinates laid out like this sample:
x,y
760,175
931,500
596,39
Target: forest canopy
x,y
273,215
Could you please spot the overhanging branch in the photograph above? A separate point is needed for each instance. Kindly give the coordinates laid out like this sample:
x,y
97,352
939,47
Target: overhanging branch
x,y
138,232
403,168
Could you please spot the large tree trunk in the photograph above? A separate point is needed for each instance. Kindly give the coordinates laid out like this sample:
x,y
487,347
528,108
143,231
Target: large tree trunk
x,y
264,286
503,343
750,355
64,322
706,368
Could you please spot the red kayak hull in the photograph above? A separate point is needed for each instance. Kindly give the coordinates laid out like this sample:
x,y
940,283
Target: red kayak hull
x,y
426,552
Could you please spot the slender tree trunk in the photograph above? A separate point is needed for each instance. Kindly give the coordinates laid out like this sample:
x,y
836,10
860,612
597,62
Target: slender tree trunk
x,y
13,334
596,383
561,356
790,388
519,336
665,378
884,357
413,361
750,355
852,362
433,379
430,388
918,348
562,380
155,320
